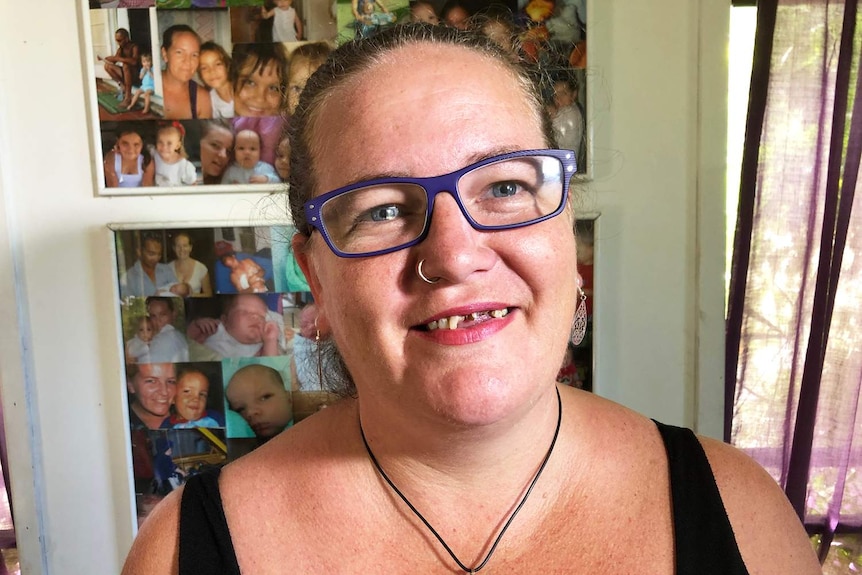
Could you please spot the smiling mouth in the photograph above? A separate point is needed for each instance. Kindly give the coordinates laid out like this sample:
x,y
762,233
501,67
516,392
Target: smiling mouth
x,y
464,321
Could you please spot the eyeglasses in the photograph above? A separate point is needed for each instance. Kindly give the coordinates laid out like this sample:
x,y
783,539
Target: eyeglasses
x,y
384,215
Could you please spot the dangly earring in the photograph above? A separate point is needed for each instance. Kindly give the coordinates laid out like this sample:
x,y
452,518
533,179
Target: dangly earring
x,y
579,326
319,356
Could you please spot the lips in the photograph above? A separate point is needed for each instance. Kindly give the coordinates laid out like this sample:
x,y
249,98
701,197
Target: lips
x,y
264,429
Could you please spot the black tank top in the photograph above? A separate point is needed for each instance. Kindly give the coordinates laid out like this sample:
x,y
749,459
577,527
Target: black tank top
x,y
703,537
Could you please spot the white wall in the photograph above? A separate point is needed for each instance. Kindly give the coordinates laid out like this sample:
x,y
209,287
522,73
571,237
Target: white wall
x,y
657,71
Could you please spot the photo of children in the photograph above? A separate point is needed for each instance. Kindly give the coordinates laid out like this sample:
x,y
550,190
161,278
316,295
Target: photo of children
x,y
286,26
214,72
129,162
121,39
243,325
147,87
198,399
244,261
173,167
145,268
195,61
138,347
247,167
362,18
259,391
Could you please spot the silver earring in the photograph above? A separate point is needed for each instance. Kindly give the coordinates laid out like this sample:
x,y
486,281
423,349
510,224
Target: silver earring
x,y
579,326
425,278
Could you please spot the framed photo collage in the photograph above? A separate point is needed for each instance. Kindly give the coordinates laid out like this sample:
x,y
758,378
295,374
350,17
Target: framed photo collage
x,y
193,96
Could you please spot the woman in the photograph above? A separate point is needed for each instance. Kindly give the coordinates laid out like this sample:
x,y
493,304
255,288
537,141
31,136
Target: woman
x,y
188,270
129,164
216,149
452,336
183,97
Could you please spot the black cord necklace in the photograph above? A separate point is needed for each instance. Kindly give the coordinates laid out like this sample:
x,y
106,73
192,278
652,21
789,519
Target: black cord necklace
x,y
511,517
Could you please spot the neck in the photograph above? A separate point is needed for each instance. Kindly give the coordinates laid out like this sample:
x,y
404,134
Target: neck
x,y
225,92
151,420
170,80
433,450
461,503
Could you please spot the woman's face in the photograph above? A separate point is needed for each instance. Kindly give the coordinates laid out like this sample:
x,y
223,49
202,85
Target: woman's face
x,y
130,146
213,70
260,91
216,148
378,307
182,247
182,56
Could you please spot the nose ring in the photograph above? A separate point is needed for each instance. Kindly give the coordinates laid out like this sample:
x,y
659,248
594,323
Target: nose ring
x,y
425,278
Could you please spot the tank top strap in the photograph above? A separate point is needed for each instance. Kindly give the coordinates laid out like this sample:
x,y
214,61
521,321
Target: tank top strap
x,y
193,98
703,537
205,544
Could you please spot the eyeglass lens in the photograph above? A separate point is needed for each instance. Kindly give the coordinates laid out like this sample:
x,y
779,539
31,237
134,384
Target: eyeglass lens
x,y
510,192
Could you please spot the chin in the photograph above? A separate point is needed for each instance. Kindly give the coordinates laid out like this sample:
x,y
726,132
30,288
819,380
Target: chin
x,y
474,400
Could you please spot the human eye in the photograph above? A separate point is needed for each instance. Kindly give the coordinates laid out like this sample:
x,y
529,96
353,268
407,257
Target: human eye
x,y
512,181
505,189
380,214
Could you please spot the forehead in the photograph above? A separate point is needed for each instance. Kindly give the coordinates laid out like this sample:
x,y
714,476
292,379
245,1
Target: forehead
x,y
249,302
247,137
194,379
471,106
158,306
155,370
251,68
131,137
219,133
184,40
210,57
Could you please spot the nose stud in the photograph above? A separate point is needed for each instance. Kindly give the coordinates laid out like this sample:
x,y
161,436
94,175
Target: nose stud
x,y
425,278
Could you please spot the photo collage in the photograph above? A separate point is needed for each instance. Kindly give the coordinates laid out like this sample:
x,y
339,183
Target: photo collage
x,y
220,340
194,93
199,93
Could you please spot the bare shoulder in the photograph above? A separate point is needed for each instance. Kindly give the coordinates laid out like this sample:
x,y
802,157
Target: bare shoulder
x,y
770,537
155,550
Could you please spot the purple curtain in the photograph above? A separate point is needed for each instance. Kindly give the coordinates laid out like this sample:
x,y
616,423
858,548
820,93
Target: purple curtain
x,y
794,326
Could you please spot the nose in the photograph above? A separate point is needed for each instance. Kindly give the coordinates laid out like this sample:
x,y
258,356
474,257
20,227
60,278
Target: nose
x,y
452,248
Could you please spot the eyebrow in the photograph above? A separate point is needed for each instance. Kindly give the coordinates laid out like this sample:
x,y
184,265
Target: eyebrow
x,y
472,159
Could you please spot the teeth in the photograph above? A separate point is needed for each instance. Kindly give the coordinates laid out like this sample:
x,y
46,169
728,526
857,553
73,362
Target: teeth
x,y
453,321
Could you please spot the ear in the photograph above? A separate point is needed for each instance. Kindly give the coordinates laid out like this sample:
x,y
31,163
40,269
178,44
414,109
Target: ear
x,y
299,244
